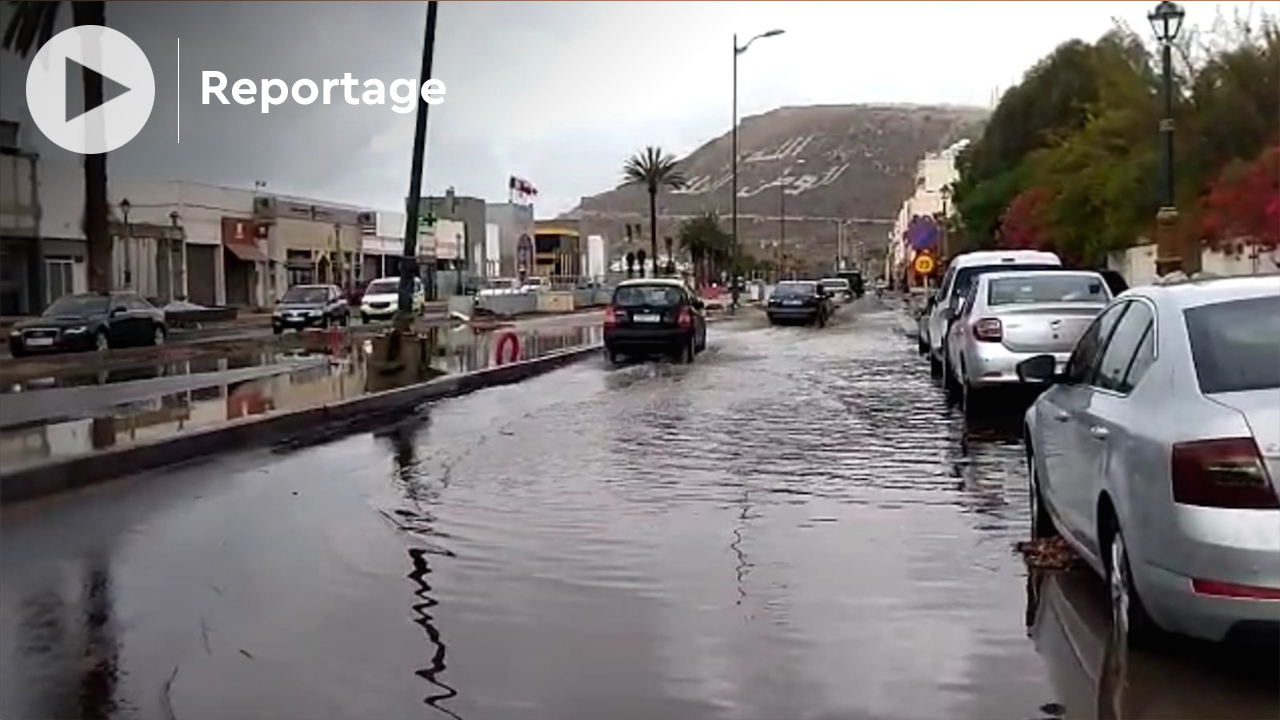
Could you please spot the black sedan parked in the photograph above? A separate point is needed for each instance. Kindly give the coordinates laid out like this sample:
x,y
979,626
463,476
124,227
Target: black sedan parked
x,y
90,321
310,306
799,301
654,316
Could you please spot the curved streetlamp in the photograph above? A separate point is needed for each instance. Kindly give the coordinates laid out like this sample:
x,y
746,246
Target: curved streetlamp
x,y
738,50
1166,21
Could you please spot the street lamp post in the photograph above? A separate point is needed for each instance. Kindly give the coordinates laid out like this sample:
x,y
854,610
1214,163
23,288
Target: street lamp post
x,y
125,205
1166,21
409,263
738,50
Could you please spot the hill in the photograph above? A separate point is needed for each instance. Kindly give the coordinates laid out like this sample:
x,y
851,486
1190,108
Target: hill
x,y
834,162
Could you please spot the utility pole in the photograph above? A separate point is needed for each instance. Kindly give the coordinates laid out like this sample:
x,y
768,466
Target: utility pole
x,y
409,263
782,218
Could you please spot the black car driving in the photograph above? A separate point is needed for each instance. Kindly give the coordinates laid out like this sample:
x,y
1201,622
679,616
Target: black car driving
x,y
654,316
310,306
798,301
90,321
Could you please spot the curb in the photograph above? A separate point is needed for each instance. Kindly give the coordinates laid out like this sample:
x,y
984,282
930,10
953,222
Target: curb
x,y
349,416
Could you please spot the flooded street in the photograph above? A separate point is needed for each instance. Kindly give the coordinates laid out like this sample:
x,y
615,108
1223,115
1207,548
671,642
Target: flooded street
x,y
797,525
74,414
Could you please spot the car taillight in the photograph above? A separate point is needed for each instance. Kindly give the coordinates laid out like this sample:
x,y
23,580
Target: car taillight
x,y
1225,473
988,329
610,316
686,318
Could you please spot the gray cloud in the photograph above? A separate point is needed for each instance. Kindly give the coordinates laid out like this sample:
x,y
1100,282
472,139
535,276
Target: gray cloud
x,y
559,93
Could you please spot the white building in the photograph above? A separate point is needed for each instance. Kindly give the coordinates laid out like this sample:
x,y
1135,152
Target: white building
x,y
935,174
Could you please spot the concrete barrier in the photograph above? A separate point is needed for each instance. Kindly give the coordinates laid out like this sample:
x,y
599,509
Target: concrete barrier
x,y
302,427
508,305
555,302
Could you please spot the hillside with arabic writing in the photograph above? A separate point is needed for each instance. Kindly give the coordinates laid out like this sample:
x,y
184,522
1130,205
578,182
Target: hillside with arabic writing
x,y
854,162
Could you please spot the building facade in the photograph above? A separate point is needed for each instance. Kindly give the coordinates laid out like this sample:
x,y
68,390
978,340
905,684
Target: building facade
x,y
922,214
515,229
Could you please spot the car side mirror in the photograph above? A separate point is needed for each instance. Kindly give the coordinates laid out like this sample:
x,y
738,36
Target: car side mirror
x,y
1039,368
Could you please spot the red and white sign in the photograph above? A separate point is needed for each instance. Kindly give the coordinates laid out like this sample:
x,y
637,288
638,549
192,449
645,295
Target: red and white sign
x,y
521,190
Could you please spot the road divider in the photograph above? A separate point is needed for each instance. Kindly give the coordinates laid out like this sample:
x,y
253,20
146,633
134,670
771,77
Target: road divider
x,y
327,421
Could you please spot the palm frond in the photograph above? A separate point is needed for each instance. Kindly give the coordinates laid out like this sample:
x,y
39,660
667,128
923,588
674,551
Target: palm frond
x,y
652,168
30,26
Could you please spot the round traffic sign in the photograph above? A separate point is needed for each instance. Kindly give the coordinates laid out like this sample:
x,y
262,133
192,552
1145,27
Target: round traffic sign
x,y
924,264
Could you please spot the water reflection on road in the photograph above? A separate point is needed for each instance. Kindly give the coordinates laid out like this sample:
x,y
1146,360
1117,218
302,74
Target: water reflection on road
x,y
75,414
795,525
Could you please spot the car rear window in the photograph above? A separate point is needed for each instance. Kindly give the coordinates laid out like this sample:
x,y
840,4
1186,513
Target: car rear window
x,y
965,277
1047,289
647,295
795,289
383,287
1234,344
305,294
836,284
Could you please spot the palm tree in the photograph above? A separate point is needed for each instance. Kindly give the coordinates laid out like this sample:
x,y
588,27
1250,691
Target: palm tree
x,y
707,244
30,27
653,169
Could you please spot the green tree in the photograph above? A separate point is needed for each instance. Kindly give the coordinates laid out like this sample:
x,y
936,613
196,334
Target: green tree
x,y
653,170
30,26
708,245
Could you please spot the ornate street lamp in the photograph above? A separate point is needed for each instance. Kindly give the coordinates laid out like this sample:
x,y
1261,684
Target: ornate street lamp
x,y
1166,21
125,206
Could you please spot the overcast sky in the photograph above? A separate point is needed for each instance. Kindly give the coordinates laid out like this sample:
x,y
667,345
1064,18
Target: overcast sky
x,y
558,93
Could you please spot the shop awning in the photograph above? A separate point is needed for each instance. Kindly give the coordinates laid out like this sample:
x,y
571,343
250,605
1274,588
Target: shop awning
x,y
246,252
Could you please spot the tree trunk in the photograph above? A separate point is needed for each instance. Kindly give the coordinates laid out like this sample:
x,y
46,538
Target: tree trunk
x,y
653,227
97,231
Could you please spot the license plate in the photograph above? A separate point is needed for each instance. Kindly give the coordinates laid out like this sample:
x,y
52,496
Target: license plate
x,y
791,302
646,318
38,341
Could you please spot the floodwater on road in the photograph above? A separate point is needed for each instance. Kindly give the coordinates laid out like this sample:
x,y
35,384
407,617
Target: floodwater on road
x,y
77,414
794,526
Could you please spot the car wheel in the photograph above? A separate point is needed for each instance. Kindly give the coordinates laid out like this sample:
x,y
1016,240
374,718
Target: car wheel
x,y
690,351
277,329
346,319
922,347
157,335
949,383
612,357
1129,619
100,342
1041,521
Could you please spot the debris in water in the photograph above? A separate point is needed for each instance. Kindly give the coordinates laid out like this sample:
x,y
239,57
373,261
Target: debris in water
x,y
1048,554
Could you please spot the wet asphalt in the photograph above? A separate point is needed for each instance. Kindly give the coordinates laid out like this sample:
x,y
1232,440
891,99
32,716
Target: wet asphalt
x,y
797,525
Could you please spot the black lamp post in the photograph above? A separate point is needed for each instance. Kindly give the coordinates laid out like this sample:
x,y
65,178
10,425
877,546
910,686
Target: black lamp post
x,y
125,206
1166,21
738,50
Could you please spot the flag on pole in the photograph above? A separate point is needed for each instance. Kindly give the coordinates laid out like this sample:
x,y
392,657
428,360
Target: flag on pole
x,y
521,189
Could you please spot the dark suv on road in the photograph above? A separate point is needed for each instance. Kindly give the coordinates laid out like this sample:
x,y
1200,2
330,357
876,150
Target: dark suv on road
x,y
799,301
310,306
654,316
90,321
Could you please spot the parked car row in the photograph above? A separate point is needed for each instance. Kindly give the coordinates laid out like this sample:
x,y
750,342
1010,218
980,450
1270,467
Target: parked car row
x,y
1153,447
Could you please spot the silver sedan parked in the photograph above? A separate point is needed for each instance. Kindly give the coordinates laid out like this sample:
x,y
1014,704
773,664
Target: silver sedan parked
x,y
1156,455
1007,317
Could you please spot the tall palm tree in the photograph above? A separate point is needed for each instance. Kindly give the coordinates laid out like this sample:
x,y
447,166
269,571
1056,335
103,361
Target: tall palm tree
x,y
30,26
653,169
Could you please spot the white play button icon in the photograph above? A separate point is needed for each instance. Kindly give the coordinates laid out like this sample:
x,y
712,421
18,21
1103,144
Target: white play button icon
x,y
57,101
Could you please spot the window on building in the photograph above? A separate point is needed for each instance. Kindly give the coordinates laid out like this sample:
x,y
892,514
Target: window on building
x,y
58,274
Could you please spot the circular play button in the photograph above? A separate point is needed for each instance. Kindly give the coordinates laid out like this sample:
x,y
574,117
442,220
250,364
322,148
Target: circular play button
x,y
57,101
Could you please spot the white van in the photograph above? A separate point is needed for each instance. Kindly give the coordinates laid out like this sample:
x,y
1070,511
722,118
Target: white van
x,y
961,272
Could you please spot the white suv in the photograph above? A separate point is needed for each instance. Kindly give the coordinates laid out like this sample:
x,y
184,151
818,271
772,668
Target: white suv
x,y
961,272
